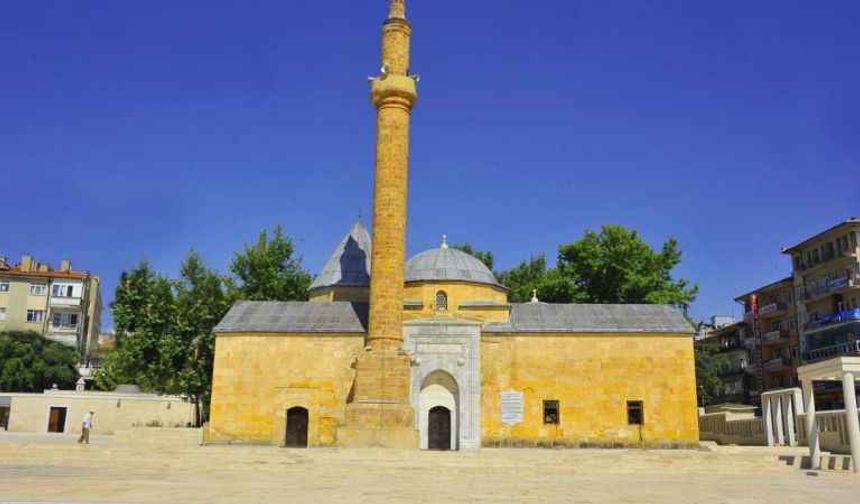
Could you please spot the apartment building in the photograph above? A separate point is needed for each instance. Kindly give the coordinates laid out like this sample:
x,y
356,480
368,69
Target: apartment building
x,y
60,304
732,340
826,272
826,275
772,335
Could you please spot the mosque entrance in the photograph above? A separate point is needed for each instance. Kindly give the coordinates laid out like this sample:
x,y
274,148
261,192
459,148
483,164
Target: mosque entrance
x,y
439,429
297,427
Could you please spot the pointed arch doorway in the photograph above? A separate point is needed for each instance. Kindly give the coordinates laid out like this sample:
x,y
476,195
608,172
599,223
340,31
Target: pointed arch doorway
x,y
438,409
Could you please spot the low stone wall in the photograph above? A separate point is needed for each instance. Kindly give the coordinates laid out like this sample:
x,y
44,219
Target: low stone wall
x,y
113,411
731,428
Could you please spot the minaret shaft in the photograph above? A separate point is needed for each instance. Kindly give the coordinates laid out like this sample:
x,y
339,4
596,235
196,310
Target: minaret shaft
x,y
393,94
380,413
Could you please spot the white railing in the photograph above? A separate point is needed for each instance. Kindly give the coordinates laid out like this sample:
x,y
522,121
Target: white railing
x,y
832,430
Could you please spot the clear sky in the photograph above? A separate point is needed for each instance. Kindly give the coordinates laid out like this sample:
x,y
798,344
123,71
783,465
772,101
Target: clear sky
x,y
133,130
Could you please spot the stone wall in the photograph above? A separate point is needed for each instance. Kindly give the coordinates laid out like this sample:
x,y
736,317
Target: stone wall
x,y
592,376
465,300
113,411
257,377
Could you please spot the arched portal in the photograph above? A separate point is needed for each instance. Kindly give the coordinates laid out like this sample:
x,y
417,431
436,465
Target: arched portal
x,y
297,427
438,412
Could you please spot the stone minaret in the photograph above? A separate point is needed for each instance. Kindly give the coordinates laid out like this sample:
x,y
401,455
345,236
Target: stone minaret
x,y
380,414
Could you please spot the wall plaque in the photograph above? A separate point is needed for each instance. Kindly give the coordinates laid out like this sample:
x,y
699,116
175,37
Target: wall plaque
x,y
512,407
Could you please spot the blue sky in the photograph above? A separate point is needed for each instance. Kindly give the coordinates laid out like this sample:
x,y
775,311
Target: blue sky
x,y
142,130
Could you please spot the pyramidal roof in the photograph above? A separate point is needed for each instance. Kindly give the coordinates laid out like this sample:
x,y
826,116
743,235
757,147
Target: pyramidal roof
x,y
349,265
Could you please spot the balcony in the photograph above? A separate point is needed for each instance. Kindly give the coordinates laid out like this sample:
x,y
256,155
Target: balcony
x,y
777,364
771,310
828,352
65,302
835,285
88,369
776,337
834,318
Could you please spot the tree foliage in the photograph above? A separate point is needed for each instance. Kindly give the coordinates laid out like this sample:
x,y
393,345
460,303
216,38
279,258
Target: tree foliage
x,y
710,364
611,266
31,363
267,270
164,338
617,266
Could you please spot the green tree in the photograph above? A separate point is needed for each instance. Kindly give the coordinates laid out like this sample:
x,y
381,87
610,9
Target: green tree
x,y
149,351
485,257
533,276
617,266
31,363
268,271
710,364
202,301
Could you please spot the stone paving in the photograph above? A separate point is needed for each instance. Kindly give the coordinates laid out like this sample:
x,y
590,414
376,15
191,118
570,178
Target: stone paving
x,y
160,466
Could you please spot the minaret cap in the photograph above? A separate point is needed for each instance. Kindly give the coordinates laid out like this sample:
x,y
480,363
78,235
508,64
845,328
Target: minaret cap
x,y
444,242
397,9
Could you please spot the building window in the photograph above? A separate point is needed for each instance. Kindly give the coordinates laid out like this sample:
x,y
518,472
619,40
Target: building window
x,y
441,301
38,289
4,286
635,413
62,290
65,320
2,313
35,316
550,412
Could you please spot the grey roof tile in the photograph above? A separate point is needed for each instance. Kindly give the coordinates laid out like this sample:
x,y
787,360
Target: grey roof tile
x,y
545,317
269,316
349,264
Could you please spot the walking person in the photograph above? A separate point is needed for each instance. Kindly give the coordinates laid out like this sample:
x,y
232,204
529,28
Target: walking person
x,y
85,428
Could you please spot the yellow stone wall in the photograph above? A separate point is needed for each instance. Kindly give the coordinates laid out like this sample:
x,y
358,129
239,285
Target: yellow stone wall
x,y
457,292
258,376
592,376
347,294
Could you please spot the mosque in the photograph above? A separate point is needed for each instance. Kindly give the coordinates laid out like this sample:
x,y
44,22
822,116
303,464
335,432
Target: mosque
x,y
428,352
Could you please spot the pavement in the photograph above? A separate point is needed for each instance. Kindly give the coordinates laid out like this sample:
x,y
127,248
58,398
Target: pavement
x,y
168,466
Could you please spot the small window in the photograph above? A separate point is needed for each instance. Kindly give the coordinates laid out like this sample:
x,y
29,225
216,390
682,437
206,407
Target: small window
x,y
35,316
550,412
441,301
635,413
38,289
4,286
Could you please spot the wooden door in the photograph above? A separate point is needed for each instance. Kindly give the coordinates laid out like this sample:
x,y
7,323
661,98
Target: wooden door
x,y
439,429
57,419
297,427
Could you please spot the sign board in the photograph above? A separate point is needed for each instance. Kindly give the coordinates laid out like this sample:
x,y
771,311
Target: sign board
x,y
512,407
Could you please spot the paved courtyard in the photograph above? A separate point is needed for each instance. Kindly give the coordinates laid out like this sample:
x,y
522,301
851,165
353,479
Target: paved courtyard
x,y
154,466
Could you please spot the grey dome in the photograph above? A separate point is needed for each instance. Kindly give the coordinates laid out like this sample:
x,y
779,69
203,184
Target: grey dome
x,y
349,265
448,264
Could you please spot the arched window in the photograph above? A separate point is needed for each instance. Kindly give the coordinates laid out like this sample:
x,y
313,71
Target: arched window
x,y
441,301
